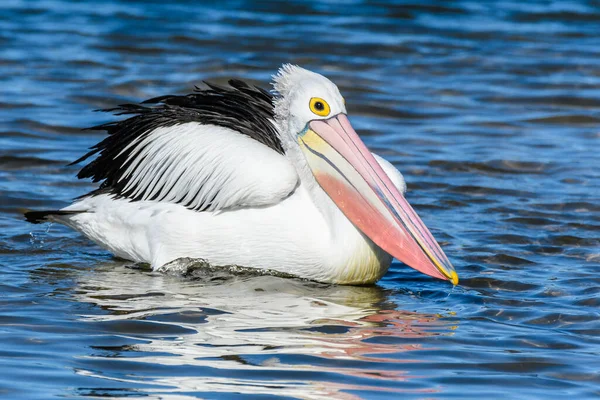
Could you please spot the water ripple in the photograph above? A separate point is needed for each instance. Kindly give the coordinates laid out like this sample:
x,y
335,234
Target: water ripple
x,y
490,109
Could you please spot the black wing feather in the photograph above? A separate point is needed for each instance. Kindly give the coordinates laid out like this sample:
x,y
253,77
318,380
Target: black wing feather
x,y
241,107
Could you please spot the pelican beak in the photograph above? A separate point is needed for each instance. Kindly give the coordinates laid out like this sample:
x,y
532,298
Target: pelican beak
x,y
354,180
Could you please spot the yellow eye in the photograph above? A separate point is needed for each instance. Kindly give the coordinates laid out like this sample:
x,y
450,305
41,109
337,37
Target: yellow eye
x,y
319,107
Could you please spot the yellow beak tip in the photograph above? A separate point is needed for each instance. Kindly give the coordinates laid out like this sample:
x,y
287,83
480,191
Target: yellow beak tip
x,y
454,278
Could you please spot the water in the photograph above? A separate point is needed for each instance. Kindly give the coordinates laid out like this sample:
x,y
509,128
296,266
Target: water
x,y
490,109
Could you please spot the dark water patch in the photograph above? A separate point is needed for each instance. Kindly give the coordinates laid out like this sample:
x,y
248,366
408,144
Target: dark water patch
x,y
573,206
532,221
134,89
184,317
47,128
482,191
100,102
568,240
435,9
566,120
561,320
525,365
563,15
93,64
104,392
382,111
131,49
9,163
589,302
497,285
125,297
16,106
18,134
12,202
191,40
142,329
549,100
510,238
584,226
549,250
492,167
505,259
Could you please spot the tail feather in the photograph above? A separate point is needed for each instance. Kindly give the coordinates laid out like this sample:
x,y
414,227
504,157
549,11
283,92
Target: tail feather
x,y
38,217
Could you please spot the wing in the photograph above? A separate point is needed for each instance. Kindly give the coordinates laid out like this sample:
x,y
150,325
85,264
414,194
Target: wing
x,y
211,150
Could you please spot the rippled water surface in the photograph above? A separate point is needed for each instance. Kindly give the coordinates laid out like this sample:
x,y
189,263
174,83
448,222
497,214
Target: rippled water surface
x,y
490,109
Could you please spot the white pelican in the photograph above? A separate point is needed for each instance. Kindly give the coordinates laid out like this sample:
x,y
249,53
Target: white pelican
x,y
237,176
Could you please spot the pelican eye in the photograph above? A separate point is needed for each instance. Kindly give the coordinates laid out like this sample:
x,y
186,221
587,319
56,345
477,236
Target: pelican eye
x,y
319,106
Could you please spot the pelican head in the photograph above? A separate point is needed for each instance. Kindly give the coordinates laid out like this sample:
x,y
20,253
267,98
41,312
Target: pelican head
x,y
311,113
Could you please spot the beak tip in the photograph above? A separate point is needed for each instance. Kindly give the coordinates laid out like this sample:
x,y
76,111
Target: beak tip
x,y
454,278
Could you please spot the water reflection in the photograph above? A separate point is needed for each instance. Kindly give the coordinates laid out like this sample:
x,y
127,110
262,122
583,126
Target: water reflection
x,y
252,334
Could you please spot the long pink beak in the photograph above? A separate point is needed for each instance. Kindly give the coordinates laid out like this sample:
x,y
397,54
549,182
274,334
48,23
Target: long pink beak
x,y
348,172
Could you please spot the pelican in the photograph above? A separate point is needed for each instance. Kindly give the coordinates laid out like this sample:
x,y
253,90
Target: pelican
x,y
235,175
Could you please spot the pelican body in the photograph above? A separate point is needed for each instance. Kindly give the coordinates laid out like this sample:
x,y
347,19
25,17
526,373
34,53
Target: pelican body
x,y
239,176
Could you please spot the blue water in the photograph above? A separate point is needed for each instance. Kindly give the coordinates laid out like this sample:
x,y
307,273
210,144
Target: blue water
x,y
490,109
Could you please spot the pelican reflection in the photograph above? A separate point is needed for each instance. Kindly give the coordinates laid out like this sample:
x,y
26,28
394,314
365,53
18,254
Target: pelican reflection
x,y
258,325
